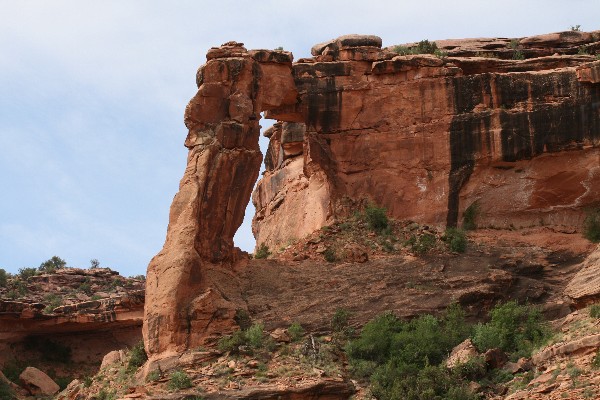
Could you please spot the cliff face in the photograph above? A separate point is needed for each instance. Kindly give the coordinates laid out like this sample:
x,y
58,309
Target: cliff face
x,y
426,137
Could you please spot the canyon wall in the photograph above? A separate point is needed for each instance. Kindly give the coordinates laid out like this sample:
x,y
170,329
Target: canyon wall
x,y
427,136
424,136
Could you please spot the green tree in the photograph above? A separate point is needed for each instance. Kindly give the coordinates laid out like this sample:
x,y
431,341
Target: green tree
x,y
51,265
3,277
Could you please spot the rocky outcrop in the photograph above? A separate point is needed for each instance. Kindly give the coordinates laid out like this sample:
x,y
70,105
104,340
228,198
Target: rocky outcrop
x,y
187,294
584,288
426,137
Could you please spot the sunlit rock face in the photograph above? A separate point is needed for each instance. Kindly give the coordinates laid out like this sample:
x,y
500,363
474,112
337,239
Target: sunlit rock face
x,y
426,137
190,291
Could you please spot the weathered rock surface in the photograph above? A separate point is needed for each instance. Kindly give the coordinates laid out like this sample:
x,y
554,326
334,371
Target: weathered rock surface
x,y
187,296
462,353
585,287
37,382
426,137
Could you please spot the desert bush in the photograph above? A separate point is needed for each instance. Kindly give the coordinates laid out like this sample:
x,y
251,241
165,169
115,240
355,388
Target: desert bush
x,y
456,239
63,381
423,47
470,217
421,244
376,218
591,226
52,301
3,277
94,263
137,357
514,328
595,311
330,255
25,273
404,358
179,380
339,321
106,394
51,265
254,337
262,251
296,331
242,319
153,376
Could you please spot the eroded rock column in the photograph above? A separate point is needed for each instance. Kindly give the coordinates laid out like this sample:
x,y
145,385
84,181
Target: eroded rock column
x,y
190,293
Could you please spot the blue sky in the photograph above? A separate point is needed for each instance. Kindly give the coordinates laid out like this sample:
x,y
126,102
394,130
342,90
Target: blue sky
x,y
92,96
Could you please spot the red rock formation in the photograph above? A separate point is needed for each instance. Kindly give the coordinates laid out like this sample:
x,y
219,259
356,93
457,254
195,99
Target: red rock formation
x,y
426,137
187,293
421,135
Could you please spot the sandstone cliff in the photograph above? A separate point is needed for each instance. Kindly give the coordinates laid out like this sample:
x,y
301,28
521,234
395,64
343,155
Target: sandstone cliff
x,y
424,136
427,136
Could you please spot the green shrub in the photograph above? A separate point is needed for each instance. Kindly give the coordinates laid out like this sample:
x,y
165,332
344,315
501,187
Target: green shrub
x,y
421,244
456,239
470,217
329,255
26,273
232,342
180,380
106,394
3,277
404,358
63,381
137,357
51,265
339,321
153,376
295,331
377,218
242,319
423,47
591,226
262,251
595,311
255,336
513,328
518,55
52,301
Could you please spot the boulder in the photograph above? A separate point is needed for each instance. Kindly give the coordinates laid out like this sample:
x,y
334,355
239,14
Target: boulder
x,y
37,382
113,357
462,353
